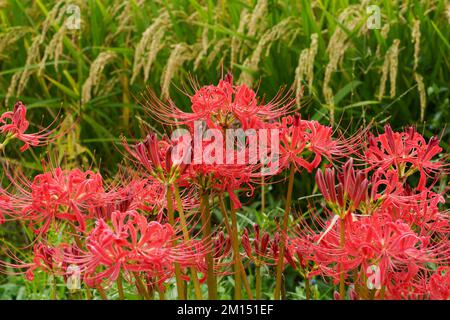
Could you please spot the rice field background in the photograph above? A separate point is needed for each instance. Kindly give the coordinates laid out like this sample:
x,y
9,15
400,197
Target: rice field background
x,y
340,70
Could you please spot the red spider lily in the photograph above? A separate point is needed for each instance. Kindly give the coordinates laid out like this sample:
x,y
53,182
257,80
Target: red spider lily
x,y
148,195
132,244
439,284
347,195
18,125
222,246
221,106
65,195
5,205
218,175
157,157
44,258
304,143
390,245
422,210
260,251
405,152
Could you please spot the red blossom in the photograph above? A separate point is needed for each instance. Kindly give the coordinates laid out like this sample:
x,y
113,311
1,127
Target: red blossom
x,y
18,124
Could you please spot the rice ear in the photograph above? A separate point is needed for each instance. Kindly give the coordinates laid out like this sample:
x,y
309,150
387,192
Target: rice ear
x,y
337,46
95,73
181,53
281,30
204,47
236,41
54,49
256,19
390,67
422,95
149,45
416,40
305,67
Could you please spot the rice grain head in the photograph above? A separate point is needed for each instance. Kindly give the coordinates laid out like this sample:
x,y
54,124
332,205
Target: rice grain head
x,y
181,53
384,34
54,49
305,68
337,46
95,73
219,47
447,12
54,16
12,86
8,38
151,42
416,40
204,44
393,67
281,30
123,11
236,41
422,95
390,66
257,17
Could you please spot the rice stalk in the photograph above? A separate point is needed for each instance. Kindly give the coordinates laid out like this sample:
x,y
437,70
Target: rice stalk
x,y
54,49
95,73
236,41
337,46
416,40
151,42
54,17
422,94
204,47
7,39
390,66
257,18
219,47
415,34
281,30
305,68
181,53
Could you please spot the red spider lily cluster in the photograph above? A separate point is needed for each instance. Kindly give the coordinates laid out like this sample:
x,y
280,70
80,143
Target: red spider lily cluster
x,y
168,223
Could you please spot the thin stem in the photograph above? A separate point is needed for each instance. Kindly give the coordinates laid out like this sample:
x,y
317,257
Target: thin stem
x,y
263,195
88,293
342,275
178,278
161,294
307,289
229,230
206,222
383,292
237,260
54,288
198,291
284,233
102,292
258,282
141,286
120,287
246,283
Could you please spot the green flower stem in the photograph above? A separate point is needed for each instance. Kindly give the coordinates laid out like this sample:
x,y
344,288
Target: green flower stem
x,y
179,280
287,210
198,291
